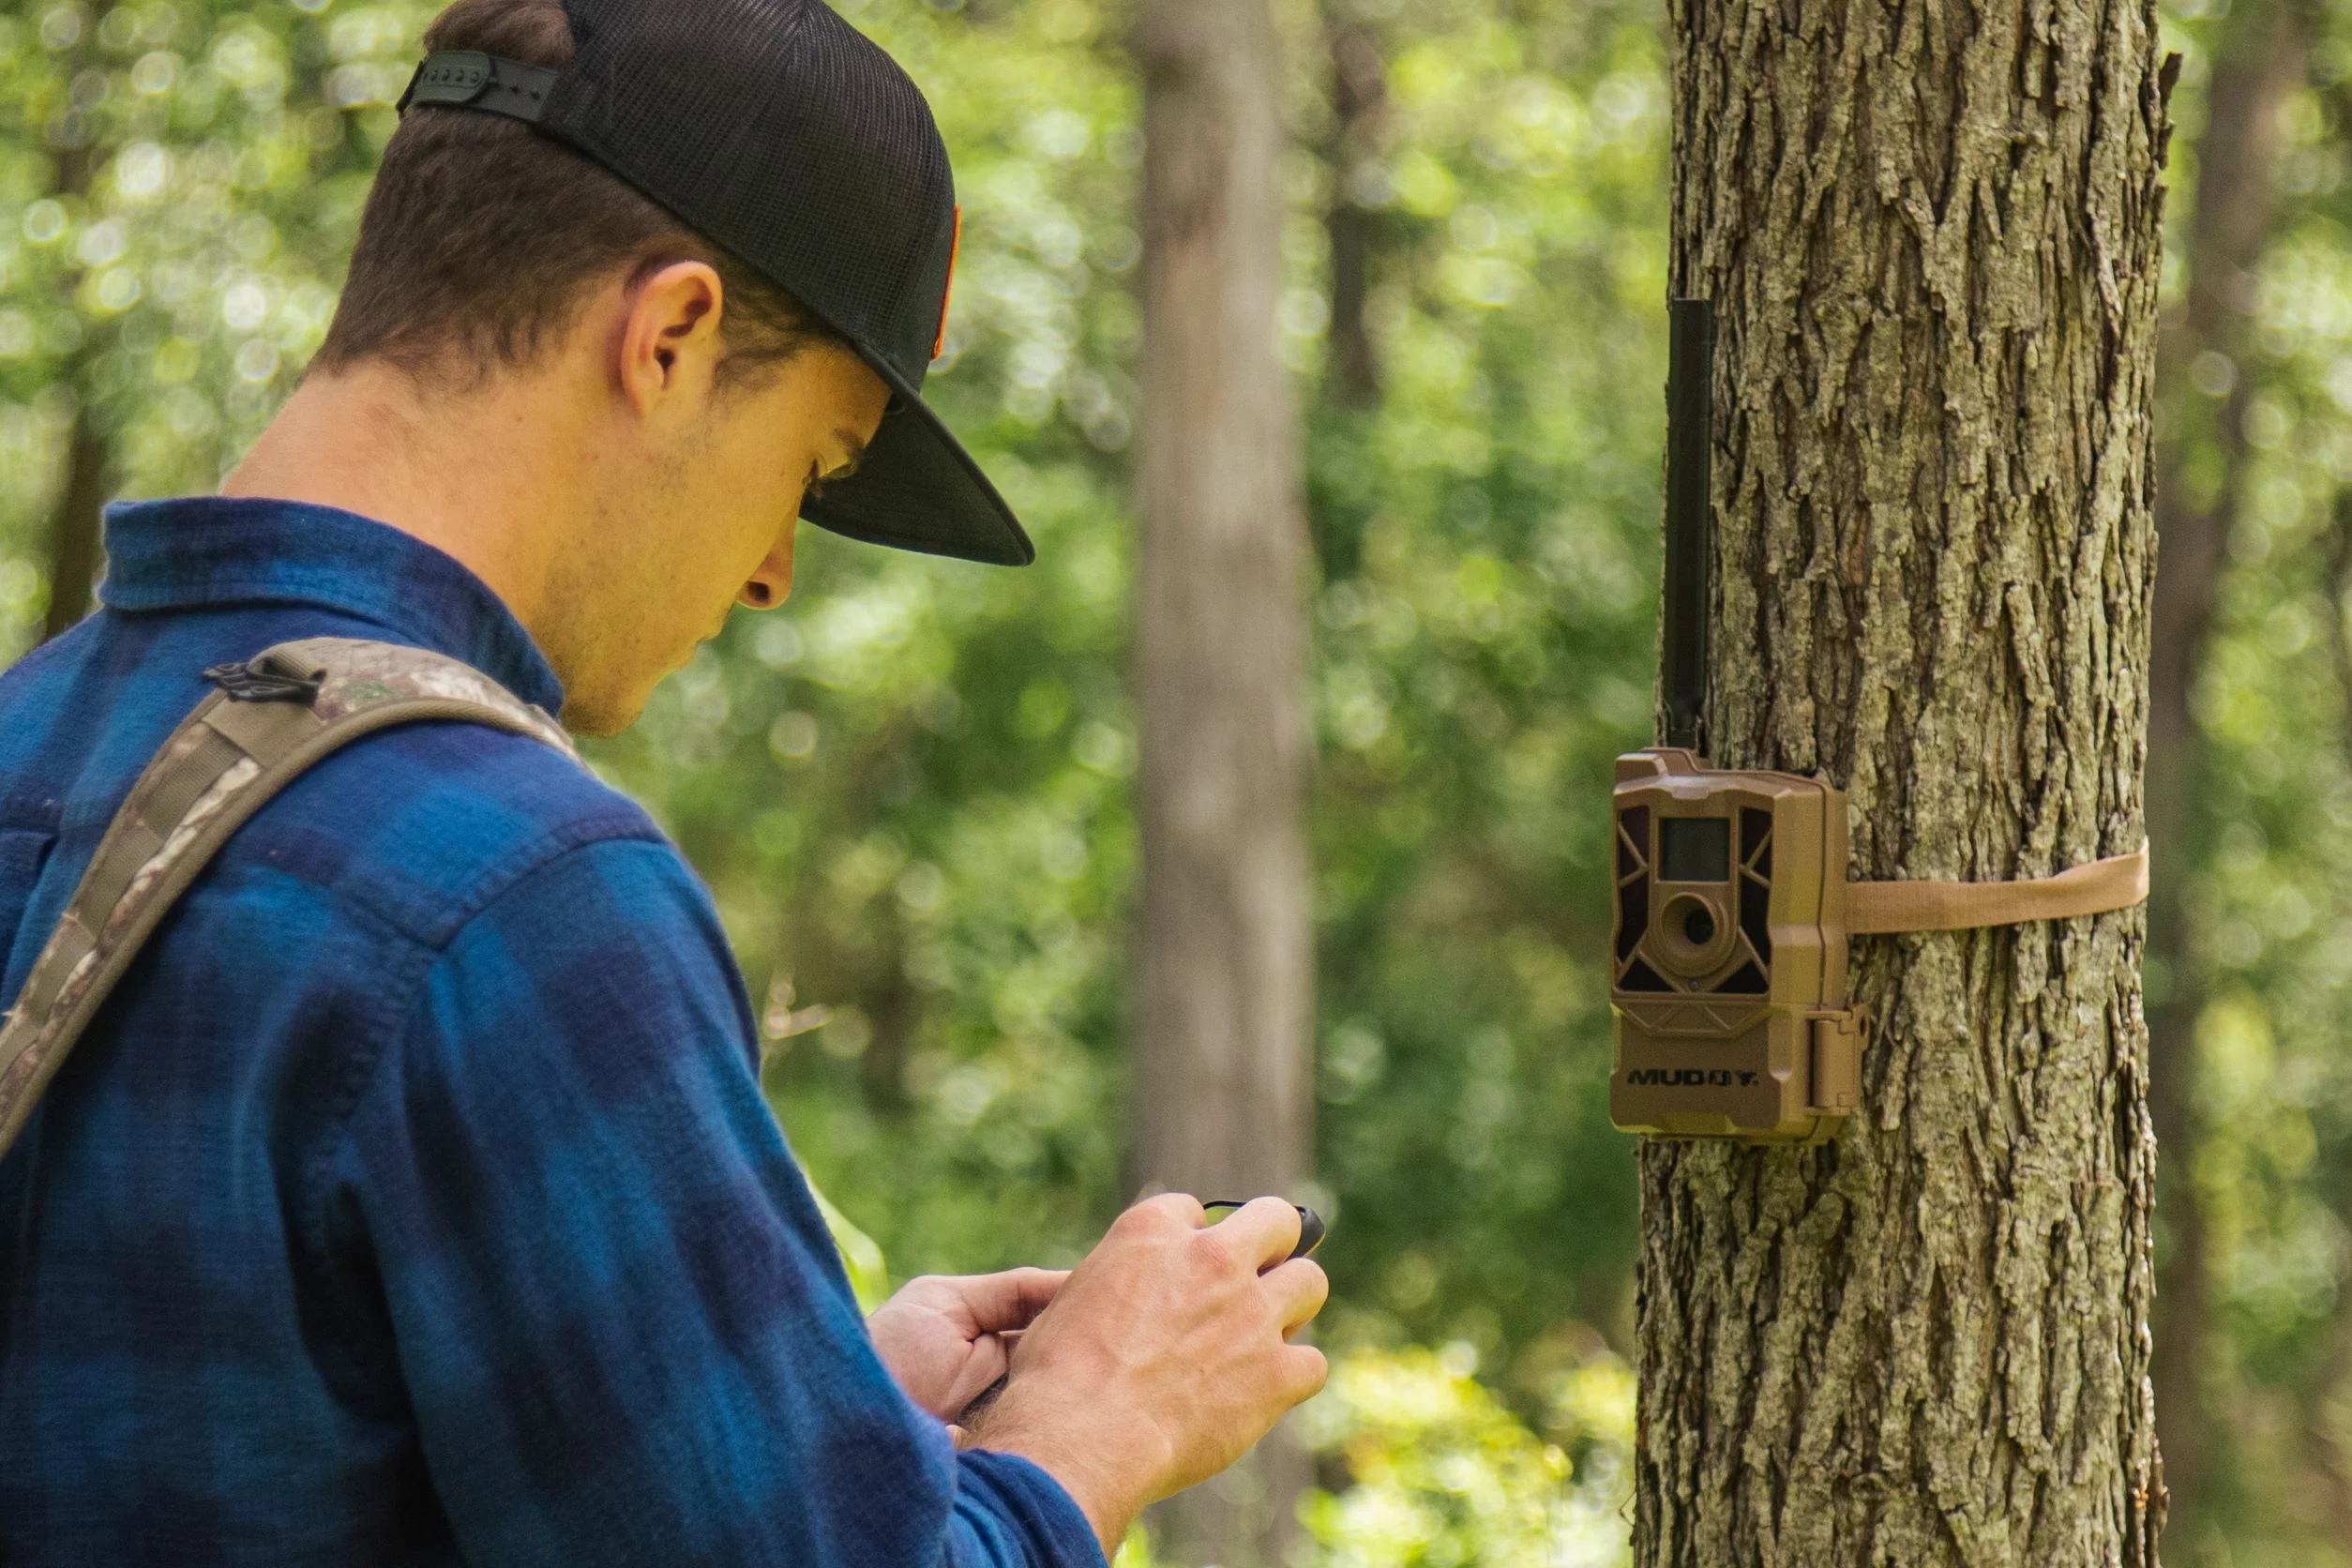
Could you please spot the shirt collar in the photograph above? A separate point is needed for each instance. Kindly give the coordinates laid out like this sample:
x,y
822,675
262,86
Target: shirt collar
x,y
218,549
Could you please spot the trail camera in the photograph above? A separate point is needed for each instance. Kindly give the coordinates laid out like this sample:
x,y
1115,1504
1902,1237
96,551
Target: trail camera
x,y
1729,955
1728,958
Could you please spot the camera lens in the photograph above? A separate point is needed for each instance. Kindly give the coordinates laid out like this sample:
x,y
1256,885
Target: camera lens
x,y
1698,927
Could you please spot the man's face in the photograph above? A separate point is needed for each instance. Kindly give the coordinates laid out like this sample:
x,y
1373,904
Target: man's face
x,y
704,494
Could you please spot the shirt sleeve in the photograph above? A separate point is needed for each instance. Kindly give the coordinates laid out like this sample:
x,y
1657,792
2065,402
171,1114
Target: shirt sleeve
x,y
623,1329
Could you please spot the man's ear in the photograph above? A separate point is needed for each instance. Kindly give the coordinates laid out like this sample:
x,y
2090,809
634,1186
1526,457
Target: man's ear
x,y
669,340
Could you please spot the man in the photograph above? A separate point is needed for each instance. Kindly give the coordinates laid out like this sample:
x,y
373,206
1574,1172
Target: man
x,y
412,1201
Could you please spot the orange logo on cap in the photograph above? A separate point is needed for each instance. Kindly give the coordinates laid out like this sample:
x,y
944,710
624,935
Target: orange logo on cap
x,y
955,248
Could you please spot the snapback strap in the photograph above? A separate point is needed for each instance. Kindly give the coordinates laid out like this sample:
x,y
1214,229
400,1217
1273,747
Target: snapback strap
x,y
1880,908
273,718
468,78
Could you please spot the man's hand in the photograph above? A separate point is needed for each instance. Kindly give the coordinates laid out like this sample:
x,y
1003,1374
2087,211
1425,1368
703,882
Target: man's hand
x,y
945,1339
1162,1358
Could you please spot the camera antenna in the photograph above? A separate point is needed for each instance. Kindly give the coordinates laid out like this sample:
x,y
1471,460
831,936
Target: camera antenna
x,y
1689,536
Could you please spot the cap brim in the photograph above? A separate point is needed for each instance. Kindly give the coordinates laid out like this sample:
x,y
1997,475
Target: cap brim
x,y
917,489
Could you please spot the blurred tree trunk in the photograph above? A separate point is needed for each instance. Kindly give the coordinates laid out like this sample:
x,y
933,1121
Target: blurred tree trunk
x,y
77,518
2327,1404
1340,497
1933,240
2258,58
1225,954
2328,1423
1359,80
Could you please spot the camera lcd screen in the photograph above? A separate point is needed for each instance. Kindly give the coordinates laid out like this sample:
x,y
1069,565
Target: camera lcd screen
x,y
1694,849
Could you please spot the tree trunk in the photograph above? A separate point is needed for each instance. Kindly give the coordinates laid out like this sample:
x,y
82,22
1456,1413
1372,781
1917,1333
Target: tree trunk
x,y
2257,60
1359,125
2328,1403
74,521
1932,237
1225,947
2327,1423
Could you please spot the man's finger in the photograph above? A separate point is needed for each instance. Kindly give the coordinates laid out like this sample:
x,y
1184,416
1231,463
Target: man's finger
x,y
1262,1231
1298,1290
1011,1300
1306,1372
1182,1207
989,1361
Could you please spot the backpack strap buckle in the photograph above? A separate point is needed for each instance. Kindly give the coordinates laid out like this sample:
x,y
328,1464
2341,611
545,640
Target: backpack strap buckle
x,y
259,680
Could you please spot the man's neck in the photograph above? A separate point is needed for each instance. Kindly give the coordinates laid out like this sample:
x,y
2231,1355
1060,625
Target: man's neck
x,y
478,474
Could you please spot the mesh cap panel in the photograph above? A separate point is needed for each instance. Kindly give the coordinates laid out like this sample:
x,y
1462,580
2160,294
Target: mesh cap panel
x,y
776,129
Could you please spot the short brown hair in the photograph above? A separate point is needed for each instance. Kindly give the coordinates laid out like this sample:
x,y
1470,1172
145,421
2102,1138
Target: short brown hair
x,y
481,237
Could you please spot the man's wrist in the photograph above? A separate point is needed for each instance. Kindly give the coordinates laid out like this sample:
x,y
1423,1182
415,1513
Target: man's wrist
x,y
1109,1479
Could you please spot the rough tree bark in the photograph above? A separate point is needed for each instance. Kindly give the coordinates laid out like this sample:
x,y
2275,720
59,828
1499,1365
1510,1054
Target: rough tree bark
x,y
2257,59
1224,942
1931,235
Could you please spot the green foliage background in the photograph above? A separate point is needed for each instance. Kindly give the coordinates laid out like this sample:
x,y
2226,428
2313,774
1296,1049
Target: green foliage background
x,y
909,789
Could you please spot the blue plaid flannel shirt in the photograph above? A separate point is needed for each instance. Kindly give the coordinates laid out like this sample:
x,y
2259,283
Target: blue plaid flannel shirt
x,y
414,1201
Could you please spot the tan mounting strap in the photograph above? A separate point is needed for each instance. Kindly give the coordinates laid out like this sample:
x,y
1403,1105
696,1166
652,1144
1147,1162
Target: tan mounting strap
x,y
275,717
1880,908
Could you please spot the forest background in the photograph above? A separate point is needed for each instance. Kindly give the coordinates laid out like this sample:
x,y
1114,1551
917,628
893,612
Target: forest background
x,y
911,790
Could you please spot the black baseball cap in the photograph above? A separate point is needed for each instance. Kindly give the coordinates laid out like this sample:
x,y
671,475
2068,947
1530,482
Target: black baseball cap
x,y
776,129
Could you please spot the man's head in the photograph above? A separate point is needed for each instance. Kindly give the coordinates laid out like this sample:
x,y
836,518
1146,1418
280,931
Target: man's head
x,y
506,279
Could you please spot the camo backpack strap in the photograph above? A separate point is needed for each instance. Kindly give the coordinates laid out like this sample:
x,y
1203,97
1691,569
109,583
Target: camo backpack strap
x,y
273,718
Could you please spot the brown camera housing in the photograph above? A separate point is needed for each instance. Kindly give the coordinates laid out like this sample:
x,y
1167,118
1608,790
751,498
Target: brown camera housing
x,y
1728,954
